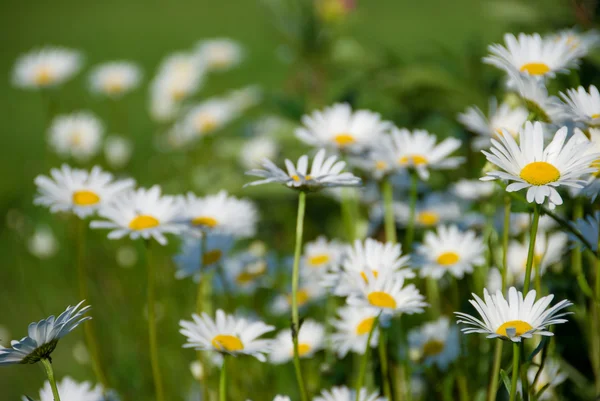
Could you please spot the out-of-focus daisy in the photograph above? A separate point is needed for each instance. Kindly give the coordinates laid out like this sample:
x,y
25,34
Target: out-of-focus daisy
x,y
77,135
435,343
535,95
513,318
207,117
585,40
244,98
436,208
227,334
339,127
503,117
494,280
450,250
79,191
195,255
521,223
219,213
343,393
70,390
311,288
324,173
592,186
589,228
220,54
310,340
42,244
541,169
550,377
322,255
549,249
116,78
46,67
117,151
472,190
257,149
43,336
249,269
583,106
379,161
419,150
533,55
352,328
126,256
143,213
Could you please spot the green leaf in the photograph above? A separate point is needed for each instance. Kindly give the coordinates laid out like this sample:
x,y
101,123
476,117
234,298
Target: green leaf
x,y
540,347
505,380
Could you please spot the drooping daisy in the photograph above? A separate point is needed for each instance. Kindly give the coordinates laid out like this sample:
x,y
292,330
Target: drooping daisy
x,y
322,255
43,243
220,213
77,135
450,250
472,190
143,213
550,377
352,328
436,208
117,151
515,318
534,93
549,248
70,390
220,54
419,150
79,191
541,169
533,55
197,254
435,343
323,173
343,393
43,336
46,67
583,106
116,78
310,340
339,127
589,228
207,117
227,334
503,117
257,149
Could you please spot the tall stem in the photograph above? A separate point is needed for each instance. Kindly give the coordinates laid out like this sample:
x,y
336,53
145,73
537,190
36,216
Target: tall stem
x,y
154,361
493,387
295,279
223,380
50,373
595,324
410,227
531,253
347,207
433,294
505,238
387,388
388,209
365,358
515,372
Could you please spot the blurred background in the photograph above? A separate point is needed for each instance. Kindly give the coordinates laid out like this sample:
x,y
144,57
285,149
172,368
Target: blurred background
x,y
417,63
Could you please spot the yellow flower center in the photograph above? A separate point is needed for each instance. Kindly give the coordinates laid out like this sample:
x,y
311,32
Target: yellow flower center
x,y
142,222
318,260
432,347
380,165
295,178
205,221
205,123
596,164
76,138
212,256
426,218
366,278
519,326
381,299
540,173
85,198
178,94
448,258
344,139
113,85
303,349
226,342
535,68
365,326
43,76
301,296
415,160
594,116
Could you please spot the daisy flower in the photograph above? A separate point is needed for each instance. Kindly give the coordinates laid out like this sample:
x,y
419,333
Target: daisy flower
x,y
245,98
534,93
43,336
220,54
592,185
324,173
435,343
197,254
70,390
257,149
589,228
583,106
311,288
227,334
550,377
219,213
117,151
450,250
533,55
541,169
494,280
515,318
339,127
77,135
549,249
207,117
379,161
352,328
436,208
114,79
143,213
310,340
248,270
322,255
343,393
78,191
587,41
419,150
472,190
503,117
46,67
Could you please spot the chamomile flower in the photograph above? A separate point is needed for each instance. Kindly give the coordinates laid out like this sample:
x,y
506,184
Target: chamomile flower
x,y
142,213
207,117
322,255
472,190
257,149
114,79
43,336
311,337
343,393
436,208
197,254
449,250
324,173
220,54
583,106
249,270
70,390
549,248
419,150
494,280
435,343
534,93
77,135
515,318
339,127
352,328
550,377
586,41
589,229
219,213
310,289
226,334
244,98
541,169
533,55
503,117
79,191
46,67
117,151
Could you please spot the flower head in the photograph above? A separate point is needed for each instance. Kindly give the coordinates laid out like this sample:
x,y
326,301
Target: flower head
x,y
343,393
77,135
70,390
549,249
352,328
435,343
198,254
219,54
311,337
47,67
535,95
583,106
114,79
472,190
322,255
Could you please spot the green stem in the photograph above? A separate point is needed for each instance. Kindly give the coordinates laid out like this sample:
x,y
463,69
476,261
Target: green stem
x,y
388,208
387,388
295,280
523,372
531,252
410,227
347,214
50,373
515,371
493,387
433,294
365,359
463,388
505,238
223,380
595,324
154,361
